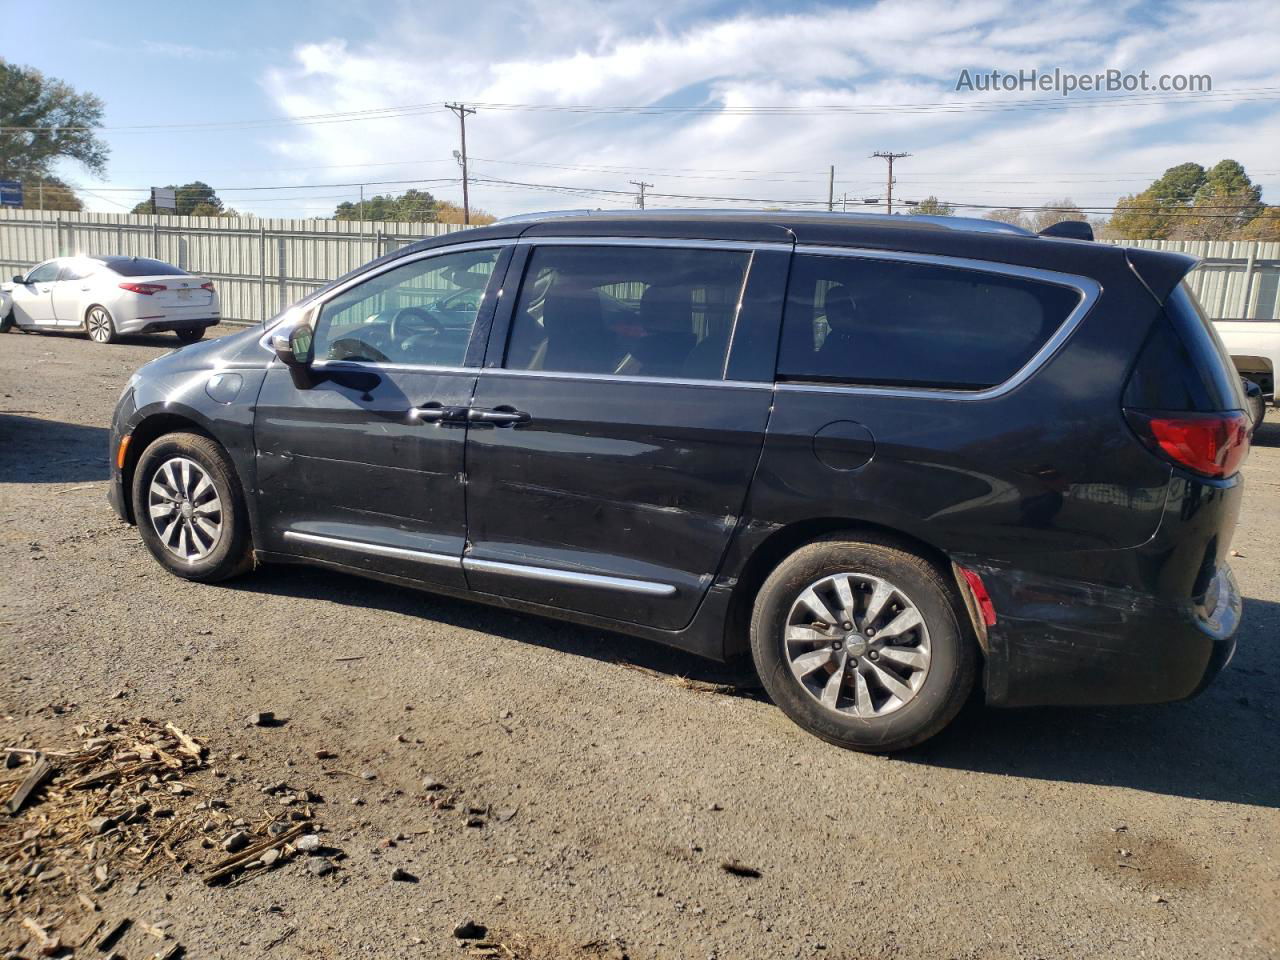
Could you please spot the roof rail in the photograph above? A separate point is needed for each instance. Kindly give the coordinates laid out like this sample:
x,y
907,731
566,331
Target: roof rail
x,y
972,224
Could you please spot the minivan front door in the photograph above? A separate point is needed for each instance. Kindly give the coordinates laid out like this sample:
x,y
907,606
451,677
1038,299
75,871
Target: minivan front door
x,y
364,466
611,448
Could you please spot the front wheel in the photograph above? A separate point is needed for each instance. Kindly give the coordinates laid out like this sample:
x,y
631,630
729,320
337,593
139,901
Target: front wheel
x,y
189,509
99,325
861,644
6,322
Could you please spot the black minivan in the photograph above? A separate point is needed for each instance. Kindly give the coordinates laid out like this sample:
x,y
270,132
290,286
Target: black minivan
x,y
880,455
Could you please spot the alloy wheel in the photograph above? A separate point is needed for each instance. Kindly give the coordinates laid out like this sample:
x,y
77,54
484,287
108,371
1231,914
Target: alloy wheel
x,y
186,512
99,325
857,644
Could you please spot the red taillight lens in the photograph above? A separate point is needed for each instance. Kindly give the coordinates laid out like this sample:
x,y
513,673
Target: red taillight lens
x,y
145,288
207,285
1213,444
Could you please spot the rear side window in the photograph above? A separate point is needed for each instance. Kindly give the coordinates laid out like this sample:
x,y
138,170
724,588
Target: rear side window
x,y
893,323
144,267
630,311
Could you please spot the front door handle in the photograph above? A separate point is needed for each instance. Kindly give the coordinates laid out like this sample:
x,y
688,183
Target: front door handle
x,y
436,412
499,416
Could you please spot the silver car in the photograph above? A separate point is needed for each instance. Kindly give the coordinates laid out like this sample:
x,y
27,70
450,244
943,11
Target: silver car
x,y
106,297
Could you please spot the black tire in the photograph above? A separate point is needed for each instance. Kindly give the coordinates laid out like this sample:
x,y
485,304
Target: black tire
x,y
232,553
99,325
953,658
6,322
189,334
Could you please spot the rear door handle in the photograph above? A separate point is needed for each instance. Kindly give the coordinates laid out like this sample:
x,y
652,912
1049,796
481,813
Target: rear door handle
x,y
499,416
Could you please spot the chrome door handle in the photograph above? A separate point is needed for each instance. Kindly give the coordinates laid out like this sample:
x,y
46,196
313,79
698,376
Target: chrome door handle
x,y
499,416
436,412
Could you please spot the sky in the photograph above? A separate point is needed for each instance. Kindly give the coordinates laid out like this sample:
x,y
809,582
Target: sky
x,y
754,101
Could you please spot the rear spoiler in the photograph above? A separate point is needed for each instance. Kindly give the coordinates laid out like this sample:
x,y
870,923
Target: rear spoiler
x,y
1159,270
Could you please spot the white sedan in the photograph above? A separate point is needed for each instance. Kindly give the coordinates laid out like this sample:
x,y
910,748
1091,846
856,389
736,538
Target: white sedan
x,y
109,296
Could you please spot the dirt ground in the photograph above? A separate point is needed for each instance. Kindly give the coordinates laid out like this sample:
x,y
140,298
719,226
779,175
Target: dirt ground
x,y
611,794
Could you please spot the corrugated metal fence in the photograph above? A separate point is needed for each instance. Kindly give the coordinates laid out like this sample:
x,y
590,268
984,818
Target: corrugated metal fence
x,y
261,266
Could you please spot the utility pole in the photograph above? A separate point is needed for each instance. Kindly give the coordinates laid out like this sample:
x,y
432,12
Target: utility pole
x,y
831,188
461,109
887,155
42,195
641,185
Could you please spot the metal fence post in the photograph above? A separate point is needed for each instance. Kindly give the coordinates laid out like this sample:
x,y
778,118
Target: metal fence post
x,y
155,239
281,252
1249,265
262,271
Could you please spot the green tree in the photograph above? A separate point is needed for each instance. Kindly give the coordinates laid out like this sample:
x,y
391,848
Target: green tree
x,y
49,193
1265,226
46,120
1223,205
412,205
1056,212
933,207
196,195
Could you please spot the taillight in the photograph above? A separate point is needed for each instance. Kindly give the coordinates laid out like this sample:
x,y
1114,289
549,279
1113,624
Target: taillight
x,y
144,288
207,285
1212,444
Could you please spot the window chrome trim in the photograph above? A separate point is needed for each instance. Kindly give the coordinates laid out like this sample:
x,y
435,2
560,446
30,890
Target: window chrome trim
x,y
573,577
1088,289
377,549
627,378
675,243
316,305
358,365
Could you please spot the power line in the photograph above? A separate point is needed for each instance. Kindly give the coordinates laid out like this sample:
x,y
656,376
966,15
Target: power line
x,y
640,185
461,109
1238,95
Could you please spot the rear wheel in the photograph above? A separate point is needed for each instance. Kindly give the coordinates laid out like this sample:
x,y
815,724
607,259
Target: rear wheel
x,y
189,334
189,508
99,325
861,644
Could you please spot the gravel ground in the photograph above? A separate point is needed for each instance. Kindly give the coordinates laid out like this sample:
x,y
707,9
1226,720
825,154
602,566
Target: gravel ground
x,y
630,787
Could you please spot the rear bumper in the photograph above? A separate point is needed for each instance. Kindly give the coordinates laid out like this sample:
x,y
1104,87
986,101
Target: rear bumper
x,y
1074,644
169,323
1150,624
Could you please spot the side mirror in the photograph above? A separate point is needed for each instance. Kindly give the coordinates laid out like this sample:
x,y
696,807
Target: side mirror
x,y
17,278
296,352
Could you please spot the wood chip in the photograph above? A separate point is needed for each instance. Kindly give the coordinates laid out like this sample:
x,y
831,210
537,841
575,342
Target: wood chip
x,y
114,933
46,943
189,746
39,773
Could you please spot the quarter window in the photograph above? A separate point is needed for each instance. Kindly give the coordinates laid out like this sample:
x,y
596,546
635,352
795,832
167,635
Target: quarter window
x,y
630,311
421,313
883,322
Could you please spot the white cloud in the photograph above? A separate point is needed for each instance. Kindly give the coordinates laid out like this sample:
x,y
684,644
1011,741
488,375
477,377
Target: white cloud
x,y
890,53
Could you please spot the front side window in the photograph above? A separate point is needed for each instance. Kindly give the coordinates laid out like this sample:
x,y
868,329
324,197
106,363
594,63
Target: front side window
x,y
421,312
899,323
45,273
630,311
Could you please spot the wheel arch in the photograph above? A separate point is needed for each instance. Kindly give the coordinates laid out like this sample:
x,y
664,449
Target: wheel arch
x,y
145,432
781,543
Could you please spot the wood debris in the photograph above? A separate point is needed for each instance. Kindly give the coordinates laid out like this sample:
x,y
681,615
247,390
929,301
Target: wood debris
x,y
132,799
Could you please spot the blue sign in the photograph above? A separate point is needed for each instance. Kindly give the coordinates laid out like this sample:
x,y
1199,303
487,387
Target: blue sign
x,y
10,193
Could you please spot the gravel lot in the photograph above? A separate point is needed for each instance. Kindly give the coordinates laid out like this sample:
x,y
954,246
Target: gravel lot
x,y
632,772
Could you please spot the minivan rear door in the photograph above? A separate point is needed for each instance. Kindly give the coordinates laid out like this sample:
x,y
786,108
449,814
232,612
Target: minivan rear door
x,y
617,423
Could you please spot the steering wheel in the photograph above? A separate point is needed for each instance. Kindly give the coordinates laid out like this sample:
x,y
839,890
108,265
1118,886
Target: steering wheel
x,y
412,322
353,348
